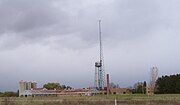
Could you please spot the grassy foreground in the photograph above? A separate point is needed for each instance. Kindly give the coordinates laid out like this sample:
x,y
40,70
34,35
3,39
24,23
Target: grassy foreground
x,y
133,99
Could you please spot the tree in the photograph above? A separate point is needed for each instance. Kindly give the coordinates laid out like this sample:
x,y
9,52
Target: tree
x,y
17,93
68,87
168,84
9,94
144,87
113,85
138,87
52,86
1,94
63,86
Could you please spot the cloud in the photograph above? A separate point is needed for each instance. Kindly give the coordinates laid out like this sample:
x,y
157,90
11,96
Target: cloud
x,y
59,40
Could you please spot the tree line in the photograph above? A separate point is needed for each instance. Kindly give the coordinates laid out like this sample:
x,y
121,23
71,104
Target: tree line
x,y
164,85
168,84
9,94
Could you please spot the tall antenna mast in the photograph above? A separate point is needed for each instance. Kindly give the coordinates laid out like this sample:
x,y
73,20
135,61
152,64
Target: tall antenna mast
x,y
99,66
100,41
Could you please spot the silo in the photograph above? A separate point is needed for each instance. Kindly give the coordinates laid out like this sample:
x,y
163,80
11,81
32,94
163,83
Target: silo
x,y
22,87
33,85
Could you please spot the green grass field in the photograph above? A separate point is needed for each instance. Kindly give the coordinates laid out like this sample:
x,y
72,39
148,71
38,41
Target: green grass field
x,y
133,99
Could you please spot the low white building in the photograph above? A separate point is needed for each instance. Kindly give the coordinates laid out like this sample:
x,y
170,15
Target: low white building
x,y
40,92
30,89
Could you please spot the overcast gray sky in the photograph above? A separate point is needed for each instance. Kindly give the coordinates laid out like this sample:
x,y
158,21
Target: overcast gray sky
x,y
57,40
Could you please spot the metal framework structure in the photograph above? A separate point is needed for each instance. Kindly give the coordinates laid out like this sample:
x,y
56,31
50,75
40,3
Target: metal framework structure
x,y
153,78
99,66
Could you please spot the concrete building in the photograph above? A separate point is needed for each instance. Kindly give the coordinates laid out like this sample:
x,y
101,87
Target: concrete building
x,y
44,92
120,91
24,85
149,91
27,89
116,91
40,92
110,90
